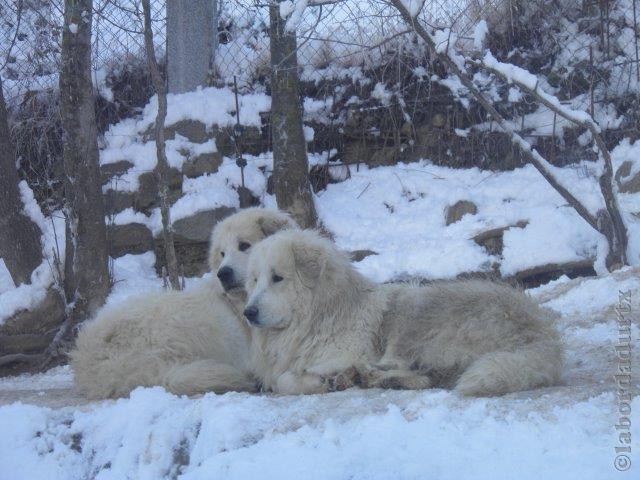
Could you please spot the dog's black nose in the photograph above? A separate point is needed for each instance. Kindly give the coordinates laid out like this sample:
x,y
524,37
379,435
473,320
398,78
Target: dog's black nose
x,y
251,313
225,274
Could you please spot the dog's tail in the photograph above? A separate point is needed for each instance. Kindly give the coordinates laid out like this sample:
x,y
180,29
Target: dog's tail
x,y
203,376
535,365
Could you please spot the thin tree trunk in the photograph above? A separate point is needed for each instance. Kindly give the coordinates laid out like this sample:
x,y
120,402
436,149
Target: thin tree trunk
x,y
290,164
162,170
20,246
86,281
607,222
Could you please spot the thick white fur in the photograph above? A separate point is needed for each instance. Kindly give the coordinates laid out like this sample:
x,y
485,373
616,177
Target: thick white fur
x,y
189,342
323,318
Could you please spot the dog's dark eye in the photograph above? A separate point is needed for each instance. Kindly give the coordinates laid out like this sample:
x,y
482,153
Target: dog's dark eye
x,y
222,254
276,278
242,246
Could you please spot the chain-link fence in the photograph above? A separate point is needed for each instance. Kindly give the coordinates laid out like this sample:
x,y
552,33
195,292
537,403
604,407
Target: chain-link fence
x,y
332,37
30,36
342,34
371,88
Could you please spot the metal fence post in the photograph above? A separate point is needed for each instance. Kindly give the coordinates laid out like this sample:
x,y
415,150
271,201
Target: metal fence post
x,y
189,43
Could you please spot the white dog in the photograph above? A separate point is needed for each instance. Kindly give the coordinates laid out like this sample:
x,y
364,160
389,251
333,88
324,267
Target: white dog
x,y
315,317
189,342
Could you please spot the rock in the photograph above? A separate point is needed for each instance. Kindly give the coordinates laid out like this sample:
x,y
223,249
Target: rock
x,y
43,319
116,201
192,258
25,343
455,212
147,196
384,156
407,129
271,184
322,175
626,182
624,171
111,170
246,198
25,336
191,241
202,164
359,255
192,130
438,120
133,238
356,152
197,228
536,276
631,186
250,140
426,136
492,240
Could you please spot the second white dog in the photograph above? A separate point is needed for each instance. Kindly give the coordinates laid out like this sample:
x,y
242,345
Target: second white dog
x,y
316,317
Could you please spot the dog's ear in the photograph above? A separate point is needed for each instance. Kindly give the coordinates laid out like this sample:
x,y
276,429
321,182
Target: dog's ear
x,y
269,225
310,262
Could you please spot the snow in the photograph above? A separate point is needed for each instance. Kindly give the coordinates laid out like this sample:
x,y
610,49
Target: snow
x,y
479,33
381,93
520,76
293,11
565,432
593,295
73,28
57,377
214,107
413,6
6,282
398,212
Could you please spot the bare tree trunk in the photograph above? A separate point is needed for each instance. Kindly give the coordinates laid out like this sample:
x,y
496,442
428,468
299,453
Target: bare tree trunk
x,y
160,87
290,164
608,222
20,246
86,281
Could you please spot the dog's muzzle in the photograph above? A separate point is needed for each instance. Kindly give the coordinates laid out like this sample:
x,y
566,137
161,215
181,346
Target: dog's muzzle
x,y
251,314
227,278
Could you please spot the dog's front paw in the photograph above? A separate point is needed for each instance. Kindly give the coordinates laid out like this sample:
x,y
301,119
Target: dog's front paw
x,y
342,380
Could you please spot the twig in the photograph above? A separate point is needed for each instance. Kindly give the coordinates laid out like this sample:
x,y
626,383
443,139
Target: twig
x,y
365,189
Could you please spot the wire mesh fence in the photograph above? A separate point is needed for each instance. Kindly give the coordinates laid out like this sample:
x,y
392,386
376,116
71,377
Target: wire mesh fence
x,y
371,87
332,36
31,32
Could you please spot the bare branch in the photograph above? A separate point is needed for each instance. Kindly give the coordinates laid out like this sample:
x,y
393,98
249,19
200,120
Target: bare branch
x,y
163,165
610,224
585,120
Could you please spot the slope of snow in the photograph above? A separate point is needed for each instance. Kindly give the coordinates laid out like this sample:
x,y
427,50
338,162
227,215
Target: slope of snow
x,y
565,432
399,213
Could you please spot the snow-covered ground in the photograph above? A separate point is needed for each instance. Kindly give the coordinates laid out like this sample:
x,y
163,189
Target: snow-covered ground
x,y
564,432
569,431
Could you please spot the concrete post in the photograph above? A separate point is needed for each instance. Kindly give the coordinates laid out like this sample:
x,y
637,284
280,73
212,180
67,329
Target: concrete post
x,y
190,43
